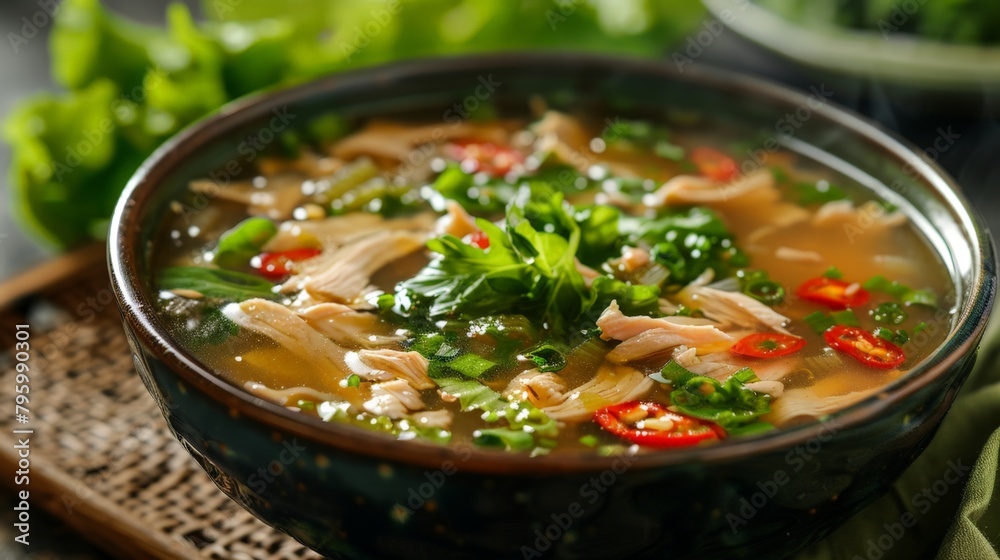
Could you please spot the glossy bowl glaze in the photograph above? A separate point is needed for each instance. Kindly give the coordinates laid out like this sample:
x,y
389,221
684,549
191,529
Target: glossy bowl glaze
x,y
349,493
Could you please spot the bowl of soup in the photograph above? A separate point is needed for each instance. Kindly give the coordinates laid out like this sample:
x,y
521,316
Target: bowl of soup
x,y
552,305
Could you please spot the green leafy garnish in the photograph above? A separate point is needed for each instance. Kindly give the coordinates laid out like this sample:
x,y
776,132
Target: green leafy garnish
x,y
729,403
687,243
525,270
243,242
898,336
833,273
218,283
633,299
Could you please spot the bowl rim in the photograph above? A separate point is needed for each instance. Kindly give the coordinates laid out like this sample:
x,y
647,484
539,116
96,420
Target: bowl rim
x,y
125,252
900,58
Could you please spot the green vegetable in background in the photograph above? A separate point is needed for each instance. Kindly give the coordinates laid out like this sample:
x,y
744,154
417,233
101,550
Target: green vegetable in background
x,y
128,87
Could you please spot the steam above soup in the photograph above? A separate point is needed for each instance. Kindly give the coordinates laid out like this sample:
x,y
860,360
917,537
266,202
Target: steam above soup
x,y
547,285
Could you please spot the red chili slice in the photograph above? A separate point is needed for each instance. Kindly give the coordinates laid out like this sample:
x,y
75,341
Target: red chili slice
x,y
628,421
768,345
833,293
479,239
864,347
487,157
275,265
714,164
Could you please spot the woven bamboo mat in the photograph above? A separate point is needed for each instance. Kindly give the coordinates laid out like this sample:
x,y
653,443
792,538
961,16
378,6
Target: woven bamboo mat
x,y
102,458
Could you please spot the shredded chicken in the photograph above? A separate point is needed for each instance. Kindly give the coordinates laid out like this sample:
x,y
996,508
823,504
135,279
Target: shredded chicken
x,y
611,385
615,325
773,388
644,337
342,275
733,308
289,396
336,231
798,255
397,141
540,389
720,365
276,199
754,196
348,327
410,366
457,221
395,399
869,217
293,333
432,419
797,405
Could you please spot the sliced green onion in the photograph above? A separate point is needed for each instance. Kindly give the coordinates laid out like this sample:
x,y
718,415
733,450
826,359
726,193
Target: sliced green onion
x,y
833,273
920,297
547,358
243,242
353,380
819,322
888,313
845,317
767,292
471,365
306,405
589,440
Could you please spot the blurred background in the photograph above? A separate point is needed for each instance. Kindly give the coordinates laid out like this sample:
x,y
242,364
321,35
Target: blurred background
x,y
926,71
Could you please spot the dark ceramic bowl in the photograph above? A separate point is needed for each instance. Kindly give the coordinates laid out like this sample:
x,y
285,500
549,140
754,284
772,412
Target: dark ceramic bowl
x,y
350,493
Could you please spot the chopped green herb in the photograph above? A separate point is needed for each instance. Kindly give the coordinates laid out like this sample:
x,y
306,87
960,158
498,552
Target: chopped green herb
x,y
907,295
243,242
833,273
898,337
888,313
504,438
819,192
353,380
767,292
845,317
547,358
921,326
306,405
728,403
670,151
819,322
589,440
471,365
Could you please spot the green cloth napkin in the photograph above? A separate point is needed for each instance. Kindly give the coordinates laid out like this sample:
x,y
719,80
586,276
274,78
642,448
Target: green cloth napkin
x,y
943,506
